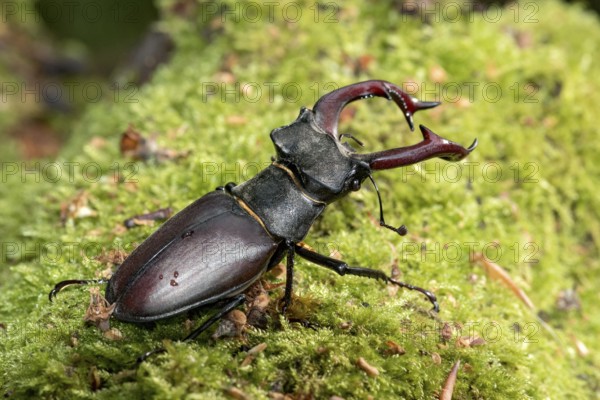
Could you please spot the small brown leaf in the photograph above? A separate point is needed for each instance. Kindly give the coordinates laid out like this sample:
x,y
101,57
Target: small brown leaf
x,y
469,341
278,271
364,62
95,381
113,334
136,146
477,341
133,144
394,348
232,325
365,366
437,74
446,332
257,314
76,208
237,394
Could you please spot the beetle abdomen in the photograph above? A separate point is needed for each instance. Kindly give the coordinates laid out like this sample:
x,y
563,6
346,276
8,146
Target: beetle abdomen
x,y
209,251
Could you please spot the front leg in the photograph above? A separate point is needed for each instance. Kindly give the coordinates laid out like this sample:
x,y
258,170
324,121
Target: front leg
x,y
344,269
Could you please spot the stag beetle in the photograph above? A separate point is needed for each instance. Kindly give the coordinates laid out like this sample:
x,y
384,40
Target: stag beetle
x,y
214,249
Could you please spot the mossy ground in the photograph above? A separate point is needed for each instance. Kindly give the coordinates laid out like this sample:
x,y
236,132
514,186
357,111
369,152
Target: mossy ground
x,y
527,197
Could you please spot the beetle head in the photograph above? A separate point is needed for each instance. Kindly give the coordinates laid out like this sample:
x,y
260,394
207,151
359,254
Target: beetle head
x,y
322,164
327,168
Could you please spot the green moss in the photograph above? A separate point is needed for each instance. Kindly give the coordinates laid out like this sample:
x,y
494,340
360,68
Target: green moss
x,y
538,219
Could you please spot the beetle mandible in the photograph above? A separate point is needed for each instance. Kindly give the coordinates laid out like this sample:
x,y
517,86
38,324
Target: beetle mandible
x,y
177,269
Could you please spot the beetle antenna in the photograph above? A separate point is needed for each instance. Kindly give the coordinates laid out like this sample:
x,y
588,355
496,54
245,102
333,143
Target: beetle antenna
x,y
349,135
401,230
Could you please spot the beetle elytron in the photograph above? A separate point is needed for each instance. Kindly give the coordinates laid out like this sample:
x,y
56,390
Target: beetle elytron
x,y
214,249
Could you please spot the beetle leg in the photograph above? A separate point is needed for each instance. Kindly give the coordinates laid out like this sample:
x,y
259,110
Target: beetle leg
x,y
277,256
289,275
328,108
344,269
63,284
288,247
235,302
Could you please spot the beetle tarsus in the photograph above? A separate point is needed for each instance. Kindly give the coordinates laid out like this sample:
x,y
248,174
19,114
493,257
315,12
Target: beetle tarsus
x,y
430,296
61,285
402,230
304,322
147,354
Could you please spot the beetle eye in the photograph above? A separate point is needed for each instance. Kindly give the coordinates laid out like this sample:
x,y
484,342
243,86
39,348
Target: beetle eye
x,y
355,185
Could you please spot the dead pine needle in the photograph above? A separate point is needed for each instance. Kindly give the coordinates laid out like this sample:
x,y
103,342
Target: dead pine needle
x,y
448,388
498,273
253,353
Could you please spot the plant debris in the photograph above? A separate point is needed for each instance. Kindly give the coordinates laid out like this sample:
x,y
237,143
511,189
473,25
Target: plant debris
x,y
134,145
231,325
99,311
253,353
77,207
368,368
500,274
148,218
